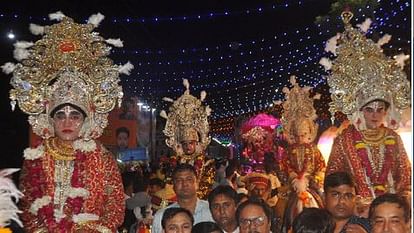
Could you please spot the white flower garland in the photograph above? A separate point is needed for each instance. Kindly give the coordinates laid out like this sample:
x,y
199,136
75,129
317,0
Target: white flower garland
x,y
84,217
39,203
58,214
33,153
84,146
78,192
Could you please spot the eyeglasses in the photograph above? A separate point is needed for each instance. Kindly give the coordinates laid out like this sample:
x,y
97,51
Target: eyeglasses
x,y
344,196
258,221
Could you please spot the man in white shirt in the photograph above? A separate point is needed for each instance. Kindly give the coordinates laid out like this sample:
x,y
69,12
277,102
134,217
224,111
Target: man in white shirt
x,y
185,186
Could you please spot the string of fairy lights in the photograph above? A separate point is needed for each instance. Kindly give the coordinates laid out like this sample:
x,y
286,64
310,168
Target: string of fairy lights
x,y
243,77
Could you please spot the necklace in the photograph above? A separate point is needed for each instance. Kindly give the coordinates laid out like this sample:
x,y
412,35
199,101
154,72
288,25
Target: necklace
x,y
373,136
60,151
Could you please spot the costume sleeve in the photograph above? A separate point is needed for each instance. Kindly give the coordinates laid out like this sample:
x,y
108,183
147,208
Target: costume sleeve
x,y
156,223
337,160
402,168
320,167
29,220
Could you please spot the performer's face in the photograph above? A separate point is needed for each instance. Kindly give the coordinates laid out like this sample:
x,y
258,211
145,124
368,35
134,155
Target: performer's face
x,y
303,132
189,147
260,191
374,114
340,201
67,123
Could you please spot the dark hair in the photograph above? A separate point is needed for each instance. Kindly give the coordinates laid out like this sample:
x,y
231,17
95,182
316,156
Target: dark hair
x,y
313,220
394,199
226,190
183,167
240,197
59,107
257,202
156,181
140,185
170,213
206,227
337,179
122,130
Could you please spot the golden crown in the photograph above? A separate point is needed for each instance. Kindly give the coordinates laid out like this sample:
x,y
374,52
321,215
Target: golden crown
x,y
187,117
69,64
362,73
298,107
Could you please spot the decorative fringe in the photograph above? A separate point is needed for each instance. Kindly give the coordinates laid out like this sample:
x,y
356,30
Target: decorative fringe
x,y
115,42
332,44
365,25
203,96
384,40
8,67
23,44
20,54
168,99
326,63
126,69
163,114
56,16
186,83
96,19
277,102
36,29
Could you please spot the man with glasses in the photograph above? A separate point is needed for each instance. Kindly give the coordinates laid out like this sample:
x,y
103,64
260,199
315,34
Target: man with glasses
x,y
185,186
340,201
254,215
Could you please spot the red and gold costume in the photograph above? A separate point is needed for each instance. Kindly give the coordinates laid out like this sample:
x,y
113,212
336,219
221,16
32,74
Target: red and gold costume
x,y
70,183
378,162
361,77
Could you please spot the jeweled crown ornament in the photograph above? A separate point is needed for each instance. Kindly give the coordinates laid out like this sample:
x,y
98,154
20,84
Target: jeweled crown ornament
x,y
298,109
69,64
362,73
187,121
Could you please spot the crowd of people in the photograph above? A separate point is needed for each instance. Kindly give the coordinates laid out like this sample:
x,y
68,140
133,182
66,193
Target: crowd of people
x,y
71,183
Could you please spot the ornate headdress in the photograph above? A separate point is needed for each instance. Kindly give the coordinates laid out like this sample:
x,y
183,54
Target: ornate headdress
x,y
187,121
362,73
297,108
68,65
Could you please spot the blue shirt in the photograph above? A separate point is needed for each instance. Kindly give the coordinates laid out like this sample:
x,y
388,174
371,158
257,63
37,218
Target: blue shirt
x,y
201,214
363,222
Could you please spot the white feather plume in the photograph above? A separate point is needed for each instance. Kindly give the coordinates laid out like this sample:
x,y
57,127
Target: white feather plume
x,y
8,67
277,102
365,25
115,42
163,114
292,79
208,110
332,44
36,29
96,19
126,69
317,96
203,95
186,83
57,16
8,192
400,59
167,99
20,54
23,44
285,90
384,40
326,63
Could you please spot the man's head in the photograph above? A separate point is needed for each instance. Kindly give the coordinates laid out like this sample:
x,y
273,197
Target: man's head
x,y
313,220
258,185
223,205
177,220
374,113
155,185
390,213
340,195
254,216
67,121
122,137
185,181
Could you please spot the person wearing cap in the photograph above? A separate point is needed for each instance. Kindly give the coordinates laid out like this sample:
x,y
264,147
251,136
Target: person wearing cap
x,y
187,131
372,90
67,85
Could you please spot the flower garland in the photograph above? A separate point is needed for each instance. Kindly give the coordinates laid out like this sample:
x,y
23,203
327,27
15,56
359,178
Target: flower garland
x,y
55,221
362,152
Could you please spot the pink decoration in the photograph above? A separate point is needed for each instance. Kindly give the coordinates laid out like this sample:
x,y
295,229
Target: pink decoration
x,y
261,120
